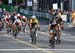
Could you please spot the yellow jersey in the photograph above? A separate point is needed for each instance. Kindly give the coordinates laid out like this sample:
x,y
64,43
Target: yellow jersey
x,y
34,21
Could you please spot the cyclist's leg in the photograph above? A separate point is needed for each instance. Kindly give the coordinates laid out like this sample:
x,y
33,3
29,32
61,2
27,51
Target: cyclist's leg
x,y
19,28
24,27
7,27
50,37
59,35
14,28
30,39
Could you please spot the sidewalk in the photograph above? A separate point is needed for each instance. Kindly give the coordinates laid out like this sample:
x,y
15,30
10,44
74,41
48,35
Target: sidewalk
x,y
69,25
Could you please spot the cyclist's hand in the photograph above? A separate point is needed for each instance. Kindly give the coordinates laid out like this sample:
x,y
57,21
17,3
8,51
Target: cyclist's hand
x,y
39,28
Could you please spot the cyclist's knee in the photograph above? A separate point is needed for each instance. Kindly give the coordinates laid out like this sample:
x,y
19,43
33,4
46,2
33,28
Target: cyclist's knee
x,y
51,35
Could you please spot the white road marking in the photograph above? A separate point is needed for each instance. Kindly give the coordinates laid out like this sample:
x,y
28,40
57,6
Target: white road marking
x,y
36,49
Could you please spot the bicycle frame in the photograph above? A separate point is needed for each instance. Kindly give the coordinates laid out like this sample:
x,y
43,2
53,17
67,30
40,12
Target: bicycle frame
x,y
16,31
33,35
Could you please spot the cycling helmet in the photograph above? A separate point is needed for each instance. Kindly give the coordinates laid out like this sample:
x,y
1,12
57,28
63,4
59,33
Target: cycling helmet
x,y
23,17
33,17
18,14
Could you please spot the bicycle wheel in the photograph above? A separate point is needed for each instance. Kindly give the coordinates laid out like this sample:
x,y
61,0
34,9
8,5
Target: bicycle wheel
x,y
33,35
34,38
57,40
8,30
53,41
15,33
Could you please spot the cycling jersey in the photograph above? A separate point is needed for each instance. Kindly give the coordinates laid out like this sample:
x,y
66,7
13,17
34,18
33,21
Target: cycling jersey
x,y
17,22
19,17
12,18
7,18
53,24
33,22
59,21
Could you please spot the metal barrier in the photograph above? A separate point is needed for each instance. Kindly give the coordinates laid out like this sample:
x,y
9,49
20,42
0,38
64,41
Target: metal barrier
x,y
36,13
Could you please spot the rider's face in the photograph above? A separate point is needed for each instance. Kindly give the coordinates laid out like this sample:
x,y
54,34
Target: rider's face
x,y
33,19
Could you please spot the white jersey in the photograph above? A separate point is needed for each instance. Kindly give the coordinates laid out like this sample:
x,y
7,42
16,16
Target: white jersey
x,y
17,21
5,17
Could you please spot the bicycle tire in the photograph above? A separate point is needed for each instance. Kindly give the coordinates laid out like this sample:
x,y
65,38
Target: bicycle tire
x,y
53,41
33,36
16,32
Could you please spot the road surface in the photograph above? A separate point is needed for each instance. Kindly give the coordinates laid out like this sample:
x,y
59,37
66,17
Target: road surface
x,y
8,44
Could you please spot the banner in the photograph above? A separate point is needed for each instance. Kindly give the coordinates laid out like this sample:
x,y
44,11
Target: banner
x,y
29,3
64,17
55,6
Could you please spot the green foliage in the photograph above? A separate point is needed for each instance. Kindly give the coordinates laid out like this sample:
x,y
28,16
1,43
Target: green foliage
x,y
8,8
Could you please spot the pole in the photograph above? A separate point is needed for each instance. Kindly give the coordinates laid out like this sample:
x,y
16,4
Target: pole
x,y
72,5
34,6
61,5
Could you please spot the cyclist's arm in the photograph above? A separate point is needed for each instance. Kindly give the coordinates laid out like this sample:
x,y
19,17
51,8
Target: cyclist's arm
x,y
30,22
38,26
49,27
26,20
14,22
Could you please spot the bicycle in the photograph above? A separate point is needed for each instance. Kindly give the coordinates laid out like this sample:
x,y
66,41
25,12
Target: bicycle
x,y
24,27
33,35
54,39
9,26
16,31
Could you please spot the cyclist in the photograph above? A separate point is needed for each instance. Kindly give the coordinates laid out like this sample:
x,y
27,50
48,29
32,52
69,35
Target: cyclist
x,y
19,16
13,17
17,23
8,22
61,26
24,22
33,23
52,27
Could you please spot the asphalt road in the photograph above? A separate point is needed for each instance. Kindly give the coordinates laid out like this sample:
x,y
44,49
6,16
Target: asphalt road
x,y
8,44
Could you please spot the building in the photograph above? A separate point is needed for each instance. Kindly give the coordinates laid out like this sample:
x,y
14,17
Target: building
x,y
72,5
45,4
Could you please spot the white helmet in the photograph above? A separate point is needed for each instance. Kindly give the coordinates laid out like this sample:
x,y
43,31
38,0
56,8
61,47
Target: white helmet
x,y
23,16
33,17
9,16
18,14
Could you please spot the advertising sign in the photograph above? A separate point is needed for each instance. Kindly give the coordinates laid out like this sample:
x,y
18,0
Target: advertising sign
x,y
55,6
64,17
29,3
